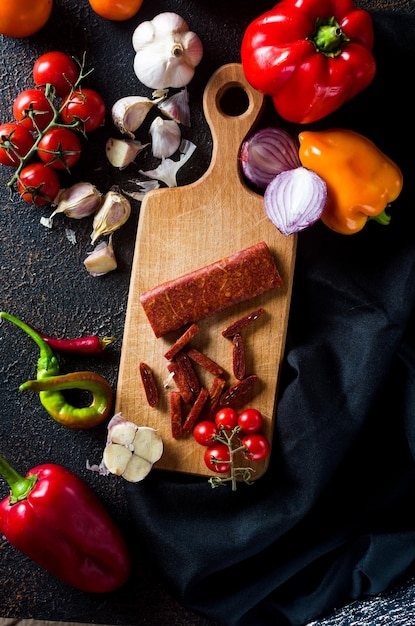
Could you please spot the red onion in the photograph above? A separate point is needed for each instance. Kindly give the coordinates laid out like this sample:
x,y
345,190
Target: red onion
x,y
295,199
267,153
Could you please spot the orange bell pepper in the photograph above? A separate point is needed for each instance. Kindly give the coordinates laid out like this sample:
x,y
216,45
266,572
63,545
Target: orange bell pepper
x,y
361,180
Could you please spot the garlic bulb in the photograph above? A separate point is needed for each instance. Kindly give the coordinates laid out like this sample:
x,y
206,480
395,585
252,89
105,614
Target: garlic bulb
x,y
129,113
112,214
122,152
167,52
131,450
101,260
165,136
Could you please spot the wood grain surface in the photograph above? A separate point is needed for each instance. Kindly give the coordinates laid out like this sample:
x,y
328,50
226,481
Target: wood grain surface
x,y
181,229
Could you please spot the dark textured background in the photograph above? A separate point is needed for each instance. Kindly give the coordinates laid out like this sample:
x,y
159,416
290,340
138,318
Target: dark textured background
x,y
43,281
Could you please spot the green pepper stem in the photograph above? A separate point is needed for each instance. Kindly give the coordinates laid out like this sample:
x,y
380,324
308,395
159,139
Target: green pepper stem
x,y
20,487
47,364
328,38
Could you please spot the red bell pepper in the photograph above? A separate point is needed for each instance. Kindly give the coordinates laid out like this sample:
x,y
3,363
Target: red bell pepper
x,y
54,518
310,56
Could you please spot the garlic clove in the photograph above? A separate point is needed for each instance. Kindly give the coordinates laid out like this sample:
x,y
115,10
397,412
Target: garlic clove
x,y
165,136
80,200
112,214
121,152
116,458
101,260
167,52
177,107
129,113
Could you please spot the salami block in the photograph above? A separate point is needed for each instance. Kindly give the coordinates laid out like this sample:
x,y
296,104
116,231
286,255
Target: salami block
x,y
210,289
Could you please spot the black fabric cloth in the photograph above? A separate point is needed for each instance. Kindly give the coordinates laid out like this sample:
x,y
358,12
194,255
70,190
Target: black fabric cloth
x,y
333,519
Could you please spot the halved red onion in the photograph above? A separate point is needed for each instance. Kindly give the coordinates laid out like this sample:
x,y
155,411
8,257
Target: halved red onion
x,y
267,153
295,199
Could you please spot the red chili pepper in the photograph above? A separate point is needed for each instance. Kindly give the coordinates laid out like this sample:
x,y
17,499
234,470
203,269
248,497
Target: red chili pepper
x,y
55,519
91,344
311,56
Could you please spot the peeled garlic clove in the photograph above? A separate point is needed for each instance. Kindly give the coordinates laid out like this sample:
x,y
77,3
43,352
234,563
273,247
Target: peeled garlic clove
x,y
177,107
78,201
129,113
167,52
165,137
101,260
112,214
116,458
122,152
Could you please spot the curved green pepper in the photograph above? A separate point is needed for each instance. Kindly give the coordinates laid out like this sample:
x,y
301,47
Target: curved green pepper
x,y
50,384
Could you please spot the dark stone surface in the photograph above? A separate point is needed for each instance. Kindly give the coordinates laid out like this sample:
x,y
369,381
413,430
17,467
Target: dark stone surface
x,y
43,281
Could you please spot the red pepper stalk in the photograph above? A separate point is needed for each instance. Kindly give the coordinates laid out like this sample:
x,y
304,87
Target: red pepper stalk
x,y
55,519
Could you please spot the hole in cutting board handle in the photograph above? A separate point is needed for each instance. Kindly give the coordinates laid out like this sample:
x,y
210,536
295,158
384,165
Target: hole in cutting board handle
x,y
234,101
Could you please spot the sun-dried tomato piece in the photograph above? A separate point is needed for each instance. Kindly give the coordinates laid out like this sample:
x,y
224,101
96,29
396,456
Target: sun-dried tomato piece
x,y
176,414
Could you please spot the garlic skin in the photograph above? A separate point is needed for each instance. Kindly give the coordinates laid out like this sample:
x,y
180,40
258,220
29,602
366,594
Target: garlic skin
x,y
112,214
167,52
78,201
166,172
101,260
129,113
165,136
121,152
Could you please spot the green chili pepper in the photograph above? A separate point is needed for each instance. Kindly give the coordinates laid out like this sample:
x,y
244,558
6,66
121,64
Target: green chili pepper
x,y
50,384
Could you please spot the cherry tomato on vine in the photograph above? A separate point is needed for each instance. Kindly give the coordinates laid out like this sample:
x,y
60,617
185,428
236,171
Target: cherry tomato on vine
x,y
219,453
58,69
227,418
204,432
38,184
250,421
15,142
85,105
32,102
22,18
60,148
117,10
257,447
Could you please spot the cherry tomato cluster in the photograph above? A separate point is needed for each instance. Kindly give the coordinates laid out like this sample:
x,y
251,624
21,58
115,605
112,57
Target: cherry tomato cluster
x,y
218,437
49,119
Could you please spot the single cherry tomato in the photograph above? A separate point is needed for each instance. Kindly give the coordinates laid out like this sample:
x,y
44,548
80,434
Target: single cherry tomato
x,y
216,458
117,10
227,418
22,18
32,108
85,105
38,184
250,421
257,447
60,148
15,142
58,69
204,432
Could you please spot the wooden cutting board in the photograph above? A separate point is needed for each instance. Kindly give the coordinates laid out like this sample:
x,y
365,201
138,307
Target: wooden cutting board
x,y
182,229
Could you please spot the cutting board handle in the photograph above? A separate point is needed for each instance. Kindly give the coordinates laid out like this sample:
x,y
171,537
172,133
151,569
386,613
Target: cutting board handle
x,y
232,108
